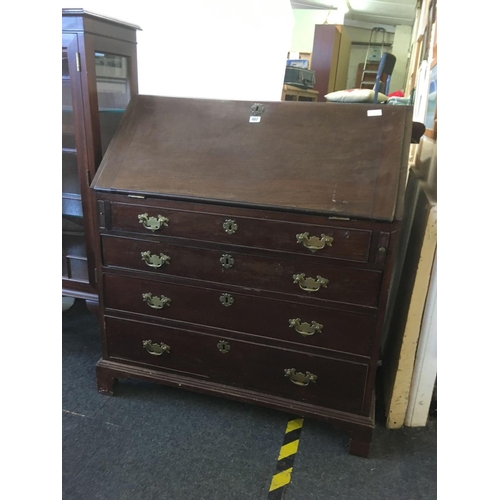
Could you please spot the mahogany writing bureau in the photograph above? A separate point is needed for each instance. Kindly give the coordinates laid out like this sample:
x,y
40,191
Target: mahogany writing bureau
x,y
246,250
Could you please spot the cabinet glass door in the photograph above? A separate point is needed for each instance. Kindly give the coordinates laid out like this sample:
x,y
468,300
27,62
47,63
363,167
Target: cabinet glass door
x,y
74,265
113,92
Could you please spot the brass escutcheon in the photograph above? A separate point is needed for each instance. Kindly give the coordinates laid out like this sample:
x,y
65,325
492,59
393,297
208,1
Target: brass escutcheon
x,y
230,226
226,299
257,109
152,223
227,261
305,329
156,302
299,378
314,243
223,346
156,349
155,260
309,284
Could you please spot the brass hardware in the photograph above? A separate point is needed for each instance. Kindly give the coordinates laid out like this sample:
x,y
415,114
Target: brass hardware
x,y
155,260
230,226
227,261
305,329
333,217
309,284
299,378
223,346
314,243
156,349
226,299
382,250
136,196
153,223
257,109
156,302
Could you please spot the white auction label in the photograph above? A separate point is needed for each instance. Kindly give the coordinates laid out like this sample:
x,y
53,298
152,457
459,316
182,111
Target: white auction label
x,y
254,119
374,112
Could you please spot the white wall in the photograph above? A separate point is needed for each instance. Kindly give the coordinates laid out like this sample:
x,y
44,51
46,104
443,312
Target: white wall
x,y
303,28
222,49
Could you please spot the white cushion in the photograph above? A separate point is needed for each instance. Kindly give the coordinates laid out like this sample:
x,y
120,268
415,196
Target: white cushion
x,y
355,95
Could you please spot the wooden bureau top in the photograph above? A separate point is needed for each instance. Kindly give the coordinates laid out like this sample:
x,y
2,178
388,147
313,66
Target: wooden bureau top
x,y
340,159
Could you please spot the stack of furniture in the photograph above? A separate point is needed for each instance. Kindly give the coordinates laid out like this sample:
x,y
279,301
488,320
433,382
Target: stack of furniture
x,y
246,251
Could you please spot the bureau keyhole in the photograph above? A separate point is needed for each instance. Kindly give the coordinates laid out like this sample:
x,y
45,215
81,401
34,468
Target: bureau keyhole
x,y
227,261
223,346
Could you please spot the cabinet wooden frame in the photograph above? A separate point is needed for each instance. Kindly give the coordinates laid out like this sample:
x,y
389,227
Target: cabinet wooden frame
x,y
84,33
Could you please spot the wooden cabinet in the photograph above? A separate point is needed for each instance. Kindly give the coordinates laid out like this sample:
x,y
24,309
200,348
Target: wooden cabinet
x,y
330,58
99,76
248,255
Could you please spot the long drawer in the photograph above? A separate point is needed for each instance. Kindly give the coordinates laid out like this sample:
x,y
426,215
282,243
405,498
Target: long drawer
x,y
306,239
336,283
302,324
325,381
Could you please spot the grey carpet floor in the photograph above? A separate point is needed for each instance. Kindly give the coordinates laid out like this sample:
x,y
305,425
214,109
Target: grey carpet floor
x,y
152,442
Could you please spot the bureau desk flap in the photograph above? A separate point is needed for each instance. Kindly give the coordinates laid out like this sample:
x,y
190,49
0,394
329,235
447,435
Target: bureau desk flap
x,y
336,158
337,283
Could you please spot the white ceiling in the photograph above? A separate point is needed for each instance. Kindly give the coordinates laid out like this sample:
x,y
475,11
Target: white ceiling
x,y
389,12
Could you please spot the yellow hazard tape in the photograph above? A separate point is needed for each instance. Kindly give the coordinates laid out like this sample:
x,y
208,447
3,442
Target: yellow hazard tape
x,y
289,449
294,424
281,479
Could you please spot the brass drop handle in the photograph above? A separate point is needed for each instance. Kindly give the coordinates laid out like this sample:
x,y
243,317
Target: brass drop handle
x,y
156,349
155,260
152,223
156,302
314,243
309,284
305,329
299,378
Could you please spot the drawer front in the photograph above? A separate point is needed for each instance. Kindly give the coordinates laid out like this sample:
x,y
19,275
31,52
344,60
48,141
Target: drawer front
x,y
316,379
342,284
305,239
287,321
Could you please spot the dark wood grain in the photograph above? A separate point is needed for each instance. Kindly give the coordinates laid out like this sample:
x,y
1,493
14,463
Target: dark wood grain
x,y
246,364
177,142
199,163
348,243
342,331
347,285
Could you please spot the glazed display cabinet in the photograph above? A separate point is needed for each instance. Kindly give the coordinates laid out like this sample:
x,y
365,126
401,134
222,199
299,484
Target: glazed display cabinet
x,y
99,77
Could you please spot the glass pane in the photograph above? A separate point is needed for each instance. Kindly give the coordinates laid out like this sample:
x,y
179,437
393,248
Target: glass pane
x,y
70,181
71,196
113,93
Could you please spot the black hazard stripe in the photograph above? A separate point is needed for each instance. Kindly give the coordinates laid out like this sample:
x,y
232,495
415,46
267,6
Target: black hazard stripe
x,y
284,466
